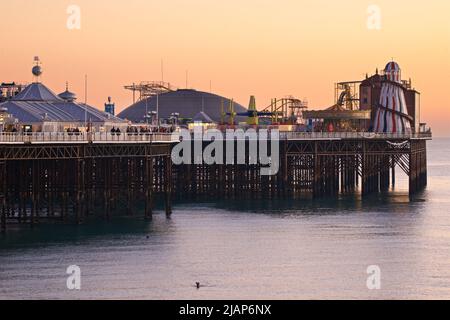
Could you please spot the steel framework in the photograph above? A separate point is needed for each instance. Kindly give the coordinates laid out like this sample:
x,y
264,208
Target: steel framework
x,y
148,89
80,180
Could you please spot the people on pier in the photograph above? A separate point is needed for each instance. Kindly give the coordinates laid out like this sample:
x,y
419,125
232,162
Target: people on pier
x,y
73,131
115,131
132,130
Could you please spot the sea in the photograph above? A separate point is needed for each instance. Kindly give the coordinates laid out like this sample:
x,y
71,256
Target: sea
x,y
386,246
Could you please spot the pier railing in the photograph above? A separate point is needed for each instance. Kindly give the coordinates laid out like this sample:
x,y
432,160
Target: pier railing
x,y
81,137
107,137
101,137
351,135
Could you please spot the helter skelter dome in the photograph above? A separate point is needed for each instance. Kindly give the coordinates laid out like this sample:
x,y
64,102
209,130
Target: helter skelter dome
x,y
393,72
392,114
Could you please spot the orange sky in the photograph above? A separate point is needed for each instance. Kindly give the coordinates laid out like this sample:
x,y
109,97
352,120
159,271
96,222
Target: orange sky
x,y
244,47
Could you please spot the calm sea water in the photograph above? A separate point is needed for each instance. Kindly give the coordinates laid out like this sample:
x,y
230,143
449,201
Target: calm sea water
x,y
238,250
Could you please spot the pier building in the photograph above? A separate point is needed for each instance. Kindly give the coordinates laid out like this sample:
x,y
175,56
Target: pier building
x,y
36,108
186,102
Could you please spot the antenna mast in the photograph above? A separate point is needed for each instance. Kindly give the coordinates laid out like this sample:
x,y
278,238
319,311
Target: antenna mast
x,y
85,100
162,70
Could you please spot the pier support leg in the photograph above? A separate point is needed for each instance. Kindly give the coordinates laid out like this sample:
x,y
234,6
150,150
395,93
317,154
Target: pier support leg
x,y
168,185
317,188
3,186
89,187
3,217
80,190
384,174
129,187
393,172
34,191
286,188
107,190
417,166
425,166
412,170
149,191
422,165
365,176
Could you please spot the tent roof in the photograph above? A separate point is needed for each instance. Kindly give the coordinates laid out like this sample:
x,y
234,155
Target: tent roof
x,y
202,117
36,92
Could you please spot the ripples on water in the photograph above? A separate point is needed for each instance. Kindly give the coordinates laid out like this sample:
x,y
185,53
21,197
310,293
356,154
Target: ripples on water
x,y
242,250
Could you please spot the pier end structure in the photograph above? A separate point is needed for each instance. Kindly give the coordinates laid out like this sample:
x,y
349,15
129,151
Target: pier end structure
x,y
313,164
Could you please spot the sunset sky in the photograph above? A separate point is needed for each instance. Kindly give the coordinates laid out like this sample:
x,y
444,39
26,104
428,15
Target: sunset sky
x,y
244,47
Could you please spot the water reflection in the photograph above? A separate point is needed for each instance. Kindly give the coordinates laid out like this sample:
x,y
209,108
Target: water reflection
x,y
259,249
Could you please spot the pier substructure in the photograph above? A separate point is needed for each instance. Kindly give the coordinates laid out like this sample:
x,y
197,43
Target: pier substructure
x,y
321,168
73,182
417,166
76,181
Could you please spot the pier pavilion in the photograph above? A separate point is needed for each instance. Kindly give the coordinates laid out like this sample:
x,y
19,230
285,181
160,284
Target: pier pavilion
x,y
36,108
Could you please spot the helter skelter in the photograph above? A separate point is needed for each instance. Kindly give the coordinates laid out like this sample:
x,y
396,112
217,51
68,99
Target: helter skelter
x,y
392,114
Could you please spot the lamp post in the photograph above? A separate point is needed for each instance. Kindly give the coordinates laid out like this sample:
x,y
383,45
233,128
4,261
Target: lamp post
x,y
150,117
174,118
157,109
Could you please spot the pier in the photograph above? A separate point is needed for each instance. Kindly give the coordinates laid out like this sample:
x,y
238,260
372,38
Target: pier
x,y
70,177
